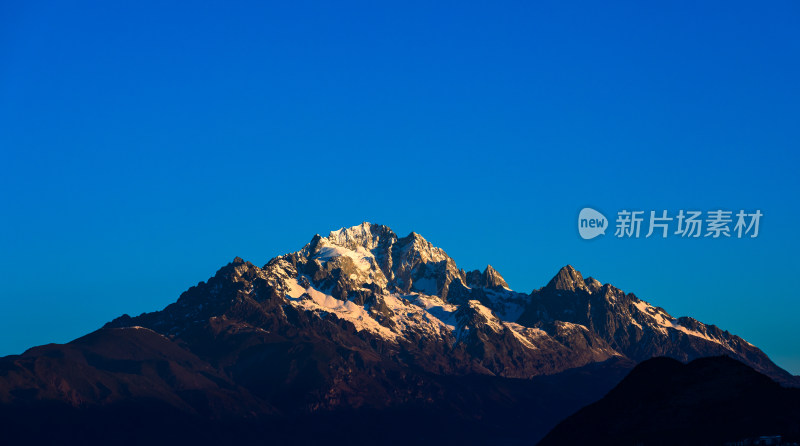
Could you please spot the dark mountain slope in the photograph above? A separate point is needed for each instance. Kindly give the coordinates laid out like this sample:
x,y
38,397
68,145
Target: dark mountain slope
x,y
123,365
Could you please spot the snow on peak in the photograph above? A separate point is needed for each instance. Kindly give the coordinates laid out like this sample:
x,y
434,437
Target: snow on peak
x,y
663,322
311,299
366,235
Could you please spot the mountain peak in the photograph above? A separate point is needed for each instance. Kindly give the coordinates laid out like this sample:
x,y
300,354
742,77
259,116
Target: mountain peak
x,y
235,269
489,278
493,278
569,279
367,235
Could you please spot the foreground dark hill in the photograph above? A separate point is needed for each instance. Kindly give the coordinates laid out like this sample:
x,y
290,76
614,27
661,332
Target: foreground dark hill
x,y
709,401
358,332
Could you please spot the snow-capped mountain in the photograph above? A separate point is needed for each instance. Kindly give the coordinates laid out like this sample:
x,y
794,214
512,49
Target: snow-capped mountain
x,y
359,336
408,299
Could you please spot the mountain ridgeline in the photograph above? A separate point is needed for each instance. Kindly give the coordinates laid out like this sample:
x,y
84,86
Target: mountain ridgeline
x,y
409,302
359,323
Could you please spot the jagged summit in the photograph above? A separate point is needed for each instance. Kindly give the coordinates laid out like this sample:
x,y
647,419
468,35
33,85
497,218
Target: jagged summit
x,y
489,278
410,263
493,278
366,235
371,236
373,254
568,279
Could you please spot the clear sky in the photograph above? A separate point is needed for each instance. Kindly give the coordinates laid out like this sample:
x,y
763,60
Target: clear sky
x,y
145,145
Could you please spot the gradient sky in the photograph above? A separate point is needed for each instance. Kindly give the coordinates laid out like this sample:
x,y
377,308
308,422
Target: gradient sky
x,y
145,145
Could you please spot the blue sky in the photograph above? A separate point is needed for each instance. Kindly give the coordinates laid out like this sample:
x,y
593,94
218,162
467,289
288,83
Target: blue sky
x,y
144,146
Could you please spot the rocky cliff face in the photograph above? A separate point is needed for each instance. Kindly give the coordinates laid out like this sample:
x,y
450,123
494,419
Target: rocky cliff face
x,y
635,328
